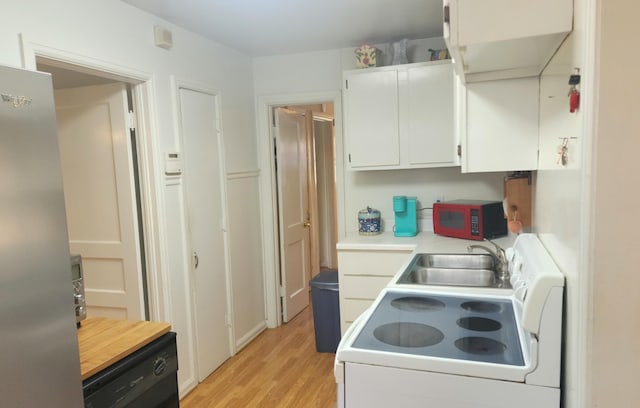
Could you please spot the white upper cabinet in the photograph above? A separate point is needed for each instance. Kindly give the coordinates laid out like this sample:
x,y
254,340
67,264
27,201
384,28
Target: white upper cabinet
x,y
499,125
431,139
400,117
371,118
499,39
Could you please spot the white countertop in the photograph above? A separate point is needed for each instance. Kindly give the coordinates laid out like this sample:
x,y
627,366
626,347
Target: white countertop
x,y
423,242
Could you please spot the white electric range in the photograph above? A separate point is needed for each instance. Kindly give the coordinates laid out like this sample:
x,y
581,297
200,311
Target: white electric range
x,y
460,348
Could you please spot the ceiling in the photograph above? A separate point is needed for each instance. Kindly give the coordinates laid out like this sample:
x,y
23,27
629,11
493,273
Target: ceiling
x,y
262,27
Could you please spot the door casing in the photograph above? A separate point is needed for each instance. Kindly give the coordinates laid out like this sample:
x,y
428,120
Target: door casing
x,y
143,89
265,104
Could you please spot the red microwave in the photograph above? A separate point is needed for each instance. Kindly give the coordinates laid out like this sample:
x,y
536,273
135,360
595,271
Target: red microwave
x,y
469,219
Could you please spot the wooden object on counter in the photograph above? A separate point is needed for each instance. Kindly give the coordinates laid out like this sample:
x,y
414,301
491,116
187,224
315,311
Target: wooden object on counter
x,y
517,191
104,341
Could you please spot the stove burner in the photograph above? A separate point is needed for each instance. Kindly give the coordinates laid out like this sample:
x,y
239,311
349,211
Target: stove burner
x,y
405,334
481,307
479,324
480,346
414,303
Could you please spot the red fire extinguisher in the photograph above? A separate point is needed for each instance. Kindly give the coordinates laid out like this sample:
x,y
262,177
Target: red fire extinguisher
x,y
574,91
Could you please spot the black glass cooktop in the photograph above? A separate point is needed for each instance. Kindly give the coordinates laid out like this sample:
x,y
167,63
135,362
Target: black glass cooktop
x,y
436,325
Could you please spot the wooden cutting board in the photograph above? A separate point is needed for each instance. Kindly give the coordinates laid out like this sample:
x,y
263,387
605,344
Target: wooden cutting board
x,y
104,341
517,192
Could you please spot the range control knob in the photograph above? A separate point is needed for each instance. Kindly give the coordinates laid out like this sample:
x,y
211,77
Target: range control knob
x,y
159,365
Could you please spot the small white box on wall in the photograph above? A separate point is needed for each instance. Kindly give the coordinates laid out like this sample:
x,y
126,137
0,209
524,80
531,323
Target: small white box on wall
x,y
173,164
163,37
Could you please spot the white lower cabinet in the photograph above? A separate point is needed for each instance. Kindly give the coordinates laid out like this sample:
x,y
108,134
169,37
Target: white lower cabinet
x,y
362,274
400,117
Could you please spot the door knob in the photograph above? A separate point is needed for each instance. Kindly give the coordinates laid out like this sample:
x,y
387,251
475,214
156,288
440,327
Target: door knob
x,y
196,259
307,224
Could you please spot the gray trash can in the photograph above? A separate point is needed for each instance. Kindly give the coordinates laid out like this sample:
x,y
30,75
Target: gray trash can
x,y
326,310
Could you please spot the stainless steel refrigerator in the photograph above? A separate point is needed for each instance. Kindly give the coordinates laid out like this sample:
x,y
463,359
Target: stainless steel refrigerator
x,y
39,361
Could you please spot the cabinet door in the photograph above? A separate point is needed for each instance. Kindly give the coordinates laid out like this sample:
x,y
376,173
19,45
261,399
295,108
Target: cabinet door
x,y
501,126
498,20
362,275
499,39
429,111
371,119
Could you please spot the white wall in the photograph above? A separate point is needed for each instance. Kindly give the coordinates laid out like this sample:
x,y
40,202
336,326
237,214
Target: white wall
x,y
580,210
377,188
614,334
111,33
322,71
558,195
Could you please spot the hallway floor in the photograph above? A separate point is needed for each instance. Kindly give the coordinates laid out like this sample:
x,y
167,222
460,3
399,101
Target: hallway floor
x,y
280,368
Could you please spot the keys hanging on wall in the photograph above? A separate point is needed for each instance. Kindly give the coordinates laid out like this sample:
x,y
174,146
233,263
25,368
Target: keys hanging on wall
x,y
574,91
563,153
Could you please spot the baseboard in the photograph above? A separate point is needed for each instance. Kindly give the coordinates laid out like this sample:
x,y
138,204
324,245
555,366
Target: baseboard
x,y
186,387
252,334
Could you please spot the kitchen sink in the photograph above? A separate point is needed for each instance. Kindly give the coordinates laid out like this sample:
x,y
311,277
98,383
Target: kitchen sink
x,y
477,270
451,276
455,261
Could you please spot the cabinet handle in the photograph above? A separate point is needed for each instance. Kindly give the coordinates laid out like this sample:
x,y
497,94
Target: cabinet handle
x,y
196,259
307,224
445,17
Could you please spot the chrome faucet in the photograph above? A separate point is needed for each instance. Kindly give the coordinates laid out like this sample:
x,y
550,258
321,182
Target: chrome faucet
x,y
502,264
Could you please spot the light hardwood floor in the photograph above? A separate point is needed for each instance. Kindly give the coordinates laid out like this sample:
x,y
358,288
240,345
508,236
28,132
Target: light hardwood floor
x,y
280,368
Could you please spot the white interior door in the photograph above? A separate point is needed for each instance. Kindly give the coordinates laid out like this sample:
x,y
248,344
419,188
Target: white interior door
x,y
293,203
326,179
312,183
203,163
100,198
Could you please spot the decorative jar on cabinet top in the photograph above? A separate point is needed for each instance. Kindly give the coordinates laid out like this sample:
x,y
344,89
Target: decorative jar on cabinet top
x,y
366,56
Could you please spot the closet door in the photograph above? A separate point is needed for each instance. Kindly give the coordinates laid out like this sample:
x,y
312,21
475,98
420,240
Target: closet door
x,y
205,196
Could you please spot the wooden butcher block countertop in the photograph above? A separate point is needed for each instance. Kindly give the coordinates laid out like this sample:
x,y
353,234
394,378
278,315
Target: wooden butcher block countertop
x,y
103,341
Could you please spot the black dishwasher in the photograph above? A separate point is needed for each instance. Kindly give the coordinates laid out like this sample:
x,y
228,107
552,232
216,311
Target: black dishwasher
x,y
147,379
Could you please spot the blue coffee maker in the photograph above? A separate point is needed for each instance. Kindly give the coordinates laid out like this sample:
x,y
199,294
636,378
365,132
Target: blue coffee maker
x,y
406,224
